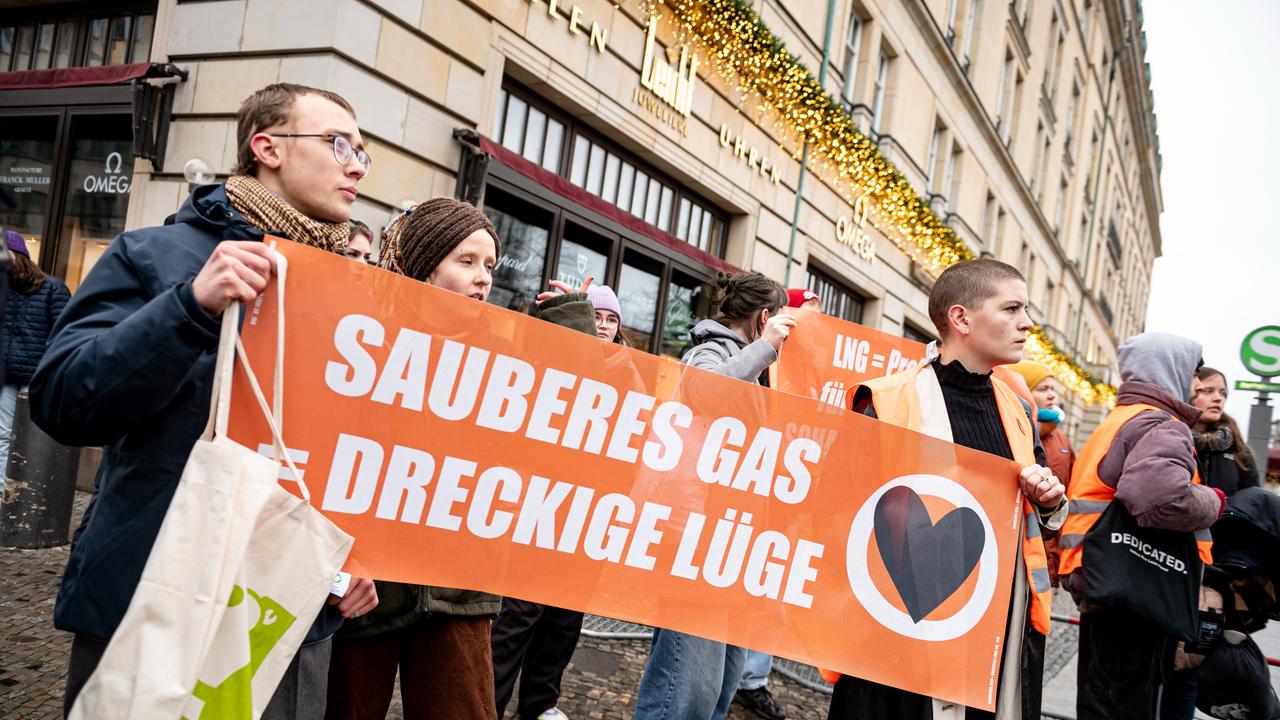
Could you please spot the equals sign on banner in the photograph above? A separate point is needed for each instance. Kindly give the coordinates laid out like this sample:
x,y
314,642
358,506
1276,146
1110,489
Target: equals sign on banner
x,y
877,361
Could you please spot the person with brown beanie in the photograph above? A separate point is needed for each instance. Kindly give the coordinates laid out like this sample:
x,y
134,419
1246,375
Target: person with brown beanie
x,y
129,364
438,638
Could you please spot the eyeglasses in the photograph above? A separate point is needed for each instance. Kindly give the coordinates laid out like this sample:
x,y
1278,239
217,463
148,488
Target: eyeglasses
x,y
342,150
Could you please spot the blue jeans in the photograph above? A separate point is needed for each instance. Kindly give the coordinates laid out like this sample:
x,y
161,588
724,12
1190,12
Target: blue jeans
x,y
755,672
8,404
688,678
1178,699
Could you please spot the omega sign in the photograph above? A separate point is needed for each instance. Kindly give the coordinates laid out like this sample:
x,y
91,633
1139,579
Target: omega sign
x,y
112,181
853,231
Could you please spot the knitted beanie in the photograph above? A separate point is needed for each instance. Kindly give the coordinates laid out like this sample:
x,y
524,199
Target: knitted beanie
x,y
16,243
1031,371
602,298
433,229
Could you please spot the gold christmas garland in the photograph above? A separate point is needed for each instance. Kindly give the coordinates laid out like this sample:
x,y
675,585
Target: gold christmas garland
x,y
746,54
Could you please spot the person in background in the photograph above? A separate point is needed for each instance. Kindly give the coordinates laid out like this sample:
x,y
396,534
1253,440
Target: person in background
x,y
35,302
130,362
360,242
1224,462
753,691
532,641
438,639
804,298
1059,455
688,677
1224,459
1142,456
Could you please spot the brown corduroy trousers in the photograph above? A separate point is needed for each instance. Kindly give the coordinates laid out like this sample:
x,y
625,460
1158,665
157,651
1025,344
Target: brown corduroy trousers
x,y
446,671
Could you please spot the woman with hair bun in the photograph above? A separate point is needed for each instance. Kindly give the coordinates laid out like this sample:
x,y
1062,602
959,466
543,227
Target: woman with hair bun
x,y
689,677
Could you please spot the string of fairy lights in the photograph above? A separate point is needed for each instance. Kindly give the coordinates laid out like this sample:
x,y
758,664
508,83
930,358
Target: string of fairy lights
x,y
776,85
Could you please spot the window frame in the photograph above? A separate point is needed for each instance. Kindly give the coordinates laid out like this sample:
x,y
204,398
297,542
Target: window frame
x,y
853,52
80,15
573,130
884,59
827,286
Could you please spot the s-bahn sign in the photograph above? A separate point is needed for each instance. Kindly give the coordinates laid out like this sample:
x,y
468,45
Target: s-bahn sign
x,y
1260,351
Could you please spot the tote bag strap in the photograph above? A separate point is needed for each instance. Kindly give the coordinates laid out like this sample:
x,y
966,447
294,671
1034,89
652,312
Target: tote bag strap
x,y
230,346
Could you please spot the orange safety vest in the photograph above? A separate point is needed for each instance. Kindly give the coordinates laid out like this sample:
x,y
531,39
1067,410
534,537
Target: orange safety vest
x,y
897,402
1089,496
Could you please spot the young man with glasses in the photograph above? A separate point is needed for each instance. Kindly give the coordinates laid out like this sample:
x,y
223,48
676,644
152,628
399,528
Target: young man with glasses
x,y
129,364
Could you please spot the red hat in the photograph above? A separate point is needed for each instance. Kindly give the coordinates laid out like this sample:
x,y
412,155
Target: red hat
x,y
799,296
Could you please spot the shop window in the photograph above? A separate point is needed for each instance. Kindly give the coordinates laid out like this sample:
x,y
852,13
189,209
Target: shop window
x,y
27,153
98,190
685,295
524,231
639,290
583,254
837,300
661,294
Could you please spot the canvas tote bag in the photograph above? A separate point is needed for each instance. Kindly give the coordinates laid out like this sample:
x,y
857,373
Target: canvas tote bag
x,y
1148,572
239,570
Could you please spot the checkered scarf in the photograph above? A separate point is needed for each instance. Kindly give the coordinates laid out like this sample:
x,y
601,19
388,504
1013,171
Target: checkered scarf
x,y
266,211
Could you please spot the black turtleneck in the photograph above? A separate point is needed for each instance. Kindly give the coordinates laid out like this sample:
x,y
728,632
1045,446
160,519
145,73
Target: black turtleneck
x,y
972,410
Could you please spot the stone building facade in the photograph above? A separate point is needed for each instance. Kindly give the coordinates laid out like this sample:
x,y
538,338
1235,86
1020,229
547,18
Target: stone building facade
x,y
605,140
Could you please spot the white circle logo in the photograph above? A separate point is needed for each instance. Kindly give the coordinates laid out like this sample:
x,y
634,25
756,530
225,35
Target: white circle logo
x,y
875,603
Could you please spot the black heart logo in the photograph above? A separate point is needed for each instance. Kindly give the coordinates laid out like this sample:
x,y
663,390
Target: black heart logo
x,y
927,561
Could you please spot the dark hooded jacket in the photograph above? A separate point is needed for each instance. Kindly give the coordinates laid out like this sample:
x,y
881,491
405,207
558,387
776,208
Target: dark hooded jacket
x,y
129,366
1216,454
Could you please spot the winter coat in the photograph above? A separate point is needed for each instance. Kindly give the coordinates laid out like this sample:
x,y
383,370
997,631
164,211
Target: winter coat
x,y
1059,454
28,318
130,367
1217,461
721,350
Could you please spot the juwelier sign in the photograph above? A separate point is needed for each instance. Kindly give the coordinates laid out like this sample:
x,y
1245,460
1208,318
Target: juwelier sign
x,y
670,87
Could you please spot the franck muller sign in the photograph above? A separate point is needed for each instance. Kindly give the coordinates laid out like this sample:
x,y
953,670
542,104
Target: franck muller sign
x,y
672,85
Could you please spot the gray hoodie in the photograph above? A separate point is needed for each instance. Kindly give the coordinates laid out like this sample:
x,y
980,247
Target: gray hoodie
x,y
720,350
1161,359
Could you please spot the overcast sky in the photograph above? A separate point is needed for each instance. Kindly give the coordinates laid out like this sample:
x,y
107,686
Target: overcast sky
x,y
1214,72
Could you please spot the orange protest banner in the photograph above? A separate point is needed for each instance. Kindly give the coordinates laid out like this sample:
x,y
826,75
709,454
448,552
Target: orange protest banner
x,y
825,357
466,445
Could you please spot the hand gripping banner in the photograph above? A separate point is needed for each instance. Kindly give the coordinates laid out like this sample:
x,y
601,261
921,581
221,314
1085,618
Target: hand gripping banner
x,y
465,445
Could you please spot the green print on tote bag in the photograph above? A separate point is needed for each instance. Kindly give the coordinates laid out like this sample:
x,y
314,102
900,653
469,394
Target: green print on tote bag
x,y
233,697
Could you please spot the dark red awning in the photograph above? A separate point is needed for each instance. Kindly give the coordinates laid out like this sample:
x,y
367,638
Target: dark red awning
x,y
85,76
563,187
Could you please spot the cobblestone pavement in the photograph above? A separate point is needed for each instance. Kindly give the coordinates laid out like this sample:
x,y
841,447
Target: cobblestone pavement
x,y
33,655
600,683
